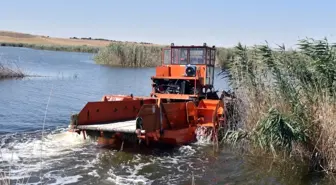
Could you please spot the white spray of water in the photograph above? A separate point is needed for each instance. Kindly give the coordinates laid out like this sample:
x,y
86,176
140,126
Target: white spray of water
x,y
133,176
62,147
23,157
203,135
44,119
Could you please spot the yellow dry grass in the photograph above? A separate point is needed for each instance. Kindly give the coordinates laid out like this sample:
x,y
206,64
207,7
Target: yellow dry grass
x,y
15,37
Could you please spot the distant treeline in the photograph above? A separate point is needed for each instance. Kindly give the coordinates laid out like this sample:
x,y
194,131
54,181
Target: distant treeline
x,y
83,48
89,38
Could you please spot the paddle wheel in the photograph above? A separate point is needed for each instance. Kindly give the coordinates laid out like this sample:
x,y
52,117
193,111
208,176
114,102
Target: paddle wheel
x,y
182,103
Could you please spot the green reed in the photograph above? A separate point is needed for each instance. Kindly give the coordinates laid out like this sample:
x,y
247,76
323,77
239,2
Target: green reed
x,y
287,99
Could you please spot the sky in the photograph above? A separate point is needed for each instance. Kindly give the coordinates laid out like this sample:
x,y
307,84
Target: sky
x,y
183,22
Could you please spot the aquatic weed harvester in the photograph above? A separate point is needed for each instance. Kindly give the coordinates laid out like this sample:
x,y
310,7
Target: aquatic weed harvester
x,y
182,101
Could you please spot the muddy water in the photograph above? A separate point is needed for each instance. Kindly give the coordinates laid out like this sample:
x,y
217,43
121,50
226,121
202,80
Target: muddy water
x,y
72,79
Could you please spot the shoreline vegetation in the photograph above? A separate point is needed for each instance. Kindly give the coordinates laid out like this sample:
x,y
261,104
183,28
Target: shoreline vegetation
x,y
121,54
140,55
72,44
16,39
83,49
285,102
107,52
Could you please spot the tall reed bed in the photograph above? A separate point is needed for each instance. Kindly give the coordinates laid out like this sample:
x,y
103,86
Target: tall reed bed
x,y
143,55
83,48
287,100
130,55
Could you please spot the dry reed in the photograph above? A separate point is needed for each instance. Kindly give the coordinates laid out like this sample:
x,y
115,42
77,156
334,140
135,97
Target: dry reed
x,y
9,72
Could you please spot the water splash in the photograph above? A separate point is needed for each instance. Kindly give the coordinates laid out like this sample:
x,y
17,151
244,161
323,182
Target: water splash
x,y
20,154
203,135
132,175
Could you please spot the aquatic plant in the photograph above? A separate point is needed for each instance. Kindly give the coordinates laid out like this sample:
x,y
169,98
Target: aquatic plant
x,y
4,179
143,55
10,72
224,56
287,99
129,55
278,131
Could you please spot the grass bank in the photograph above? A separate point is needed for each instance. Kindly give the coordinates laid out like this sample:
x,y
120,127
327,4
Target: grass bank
x,y
83,48
286,101
72,44
16,39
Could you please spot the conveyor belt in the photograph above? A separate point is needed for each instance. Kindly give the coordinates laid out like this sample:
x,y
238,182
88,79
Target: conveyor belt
x,y
124,127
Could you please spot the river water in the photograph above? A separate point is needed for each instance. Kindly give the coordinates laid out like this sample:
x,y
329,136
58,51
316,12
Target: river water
x,y
66,82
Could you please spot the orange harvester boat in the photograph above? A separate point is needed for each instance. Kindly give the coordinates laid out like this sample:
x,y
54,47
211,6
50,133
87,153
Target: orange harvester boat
x,y
182,100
